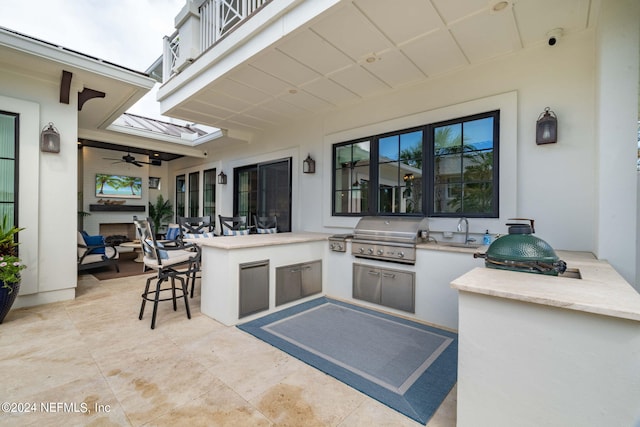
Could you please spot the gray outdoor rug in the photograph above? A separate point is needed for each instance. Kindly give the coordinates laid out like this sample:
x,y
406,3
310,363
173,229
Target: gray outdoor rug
x,y
408,366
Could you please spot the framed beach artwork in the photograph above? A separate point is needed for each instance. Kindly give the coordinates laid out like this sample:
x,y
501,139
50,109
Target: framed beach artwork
x,y
118,186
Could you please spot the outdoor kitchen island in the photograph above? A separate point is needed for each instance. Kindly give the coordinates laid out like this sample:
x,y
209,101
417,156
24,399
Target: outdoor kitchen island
x,y
543,350
241,276
237,273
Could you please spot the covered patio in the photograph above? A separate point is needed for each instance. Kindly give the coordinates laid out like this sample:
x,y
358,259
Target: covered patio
x,y
91,361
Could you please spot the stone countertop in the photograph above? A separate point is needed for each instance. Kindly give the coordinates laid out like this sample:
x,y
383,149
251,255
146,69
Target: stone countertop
x,y
258,240
448,248
601,290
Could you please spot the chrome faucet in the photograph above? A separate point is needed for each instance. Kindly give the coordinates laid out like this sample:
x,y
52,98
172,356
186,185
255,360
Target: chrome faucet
x,y
466,230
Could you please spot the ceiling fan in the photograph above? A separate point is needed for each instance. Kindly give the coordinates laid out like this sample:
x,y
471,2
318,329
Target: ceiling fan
x,y
128,158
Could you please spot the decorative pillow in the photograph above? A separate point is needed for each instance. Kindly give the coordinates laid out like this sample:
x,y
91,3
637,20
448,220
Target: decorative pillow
x,y
198,236
228,232
267,230
172,233
94,241
163,254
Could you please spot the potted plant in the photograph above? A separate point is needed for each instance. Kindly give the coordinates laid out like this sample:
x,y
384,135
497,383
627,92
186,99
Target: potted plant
x,y
10,267
160,213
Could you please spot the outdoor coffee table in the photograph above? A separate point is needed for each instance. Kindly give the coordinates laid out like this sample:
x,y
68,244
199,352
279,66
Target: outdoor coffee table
x,y
136,248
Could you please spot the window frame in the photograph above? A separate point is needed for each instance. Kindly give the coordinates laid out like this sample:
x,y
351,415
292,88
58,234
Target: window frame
x,y
209,194
16,168
428,162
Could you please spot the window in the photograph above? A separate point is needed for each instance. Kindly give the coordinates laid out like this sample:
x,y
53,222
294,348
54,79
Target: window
x,y
400,173
351,178
463,165
181,187
9,167
209,193
440,169
194,193
264,190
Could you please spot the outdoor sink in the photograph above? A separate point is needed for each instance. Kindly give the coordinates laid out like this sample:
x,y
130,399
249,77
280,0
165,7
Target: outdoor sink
x,y
461,245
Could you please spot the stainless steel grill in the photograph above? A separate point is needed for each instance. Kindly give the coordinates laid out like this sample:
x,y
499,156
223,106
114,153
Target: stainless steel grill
x,y
388,238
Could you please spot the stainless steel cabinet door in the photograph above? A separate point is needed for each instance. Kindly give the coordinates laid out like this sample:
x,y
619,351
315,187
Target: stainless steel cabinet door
x,y
288,286
366,283
254,287
311,278
398,290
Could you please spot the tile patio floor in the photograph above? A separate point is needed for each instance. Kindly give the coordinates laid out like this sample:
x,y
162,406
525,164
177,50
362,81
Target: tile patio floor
x,y
93,352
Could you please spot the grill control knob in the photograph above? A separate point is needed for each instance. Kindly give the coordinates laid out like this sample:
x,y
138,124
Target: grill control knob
x,y
339,246
380,252
361,250
370,250
400,254
332,246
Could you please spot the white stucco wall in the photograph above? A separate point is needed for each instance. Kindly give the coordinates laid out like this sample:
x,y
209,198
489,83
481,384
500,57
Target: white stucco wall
x,y
581,191
545,366
553,184
48,185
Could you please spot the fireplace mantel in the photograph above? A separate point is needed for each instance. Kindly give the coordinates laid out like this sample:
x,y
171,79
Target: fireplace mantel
x,y
117,208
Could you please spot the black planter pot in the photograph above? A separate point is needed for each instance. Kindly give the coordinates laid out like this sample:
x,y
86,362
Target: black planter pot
x,y
7,297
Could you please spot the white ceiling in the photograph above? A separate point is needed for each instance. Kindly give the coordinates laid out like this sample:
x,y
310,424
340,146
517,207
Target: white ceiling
x,y
363,48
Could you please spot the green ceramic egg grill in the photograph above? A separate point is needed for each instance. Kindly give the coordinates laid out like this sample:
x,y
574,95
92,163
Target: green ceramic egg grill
x,y
521,251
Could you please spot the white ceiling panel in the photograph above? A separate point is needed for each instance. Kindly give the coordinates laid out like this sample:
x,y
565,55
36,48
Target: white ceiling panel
x,y
278,64
214,97
498,35
268,114
331,92
200,104
198,116
534,19
394,69
325,60
315,52
260,80
401,21
283,108
454,10
305,101
248,94
435,53
359,81
352,32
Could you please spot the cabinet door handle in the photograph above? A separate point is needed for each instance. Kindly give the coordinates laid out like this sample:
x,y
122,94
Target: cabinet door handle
x,y
389,275
374,273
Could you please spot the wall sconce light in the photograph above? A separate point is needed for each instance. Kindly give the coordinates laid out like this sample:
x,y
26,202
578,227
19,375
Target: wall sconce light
x,y
309,165
222,178
409,177
50,139
547,127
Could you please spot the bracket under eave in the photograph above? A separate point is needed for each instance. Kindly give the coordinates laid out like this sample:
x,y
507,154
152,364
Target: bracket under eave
x,y
88,94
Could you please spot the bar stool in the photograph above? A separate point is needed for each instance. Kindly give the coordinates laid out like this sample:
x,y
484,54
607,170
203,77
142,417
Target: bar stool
x,y
172,263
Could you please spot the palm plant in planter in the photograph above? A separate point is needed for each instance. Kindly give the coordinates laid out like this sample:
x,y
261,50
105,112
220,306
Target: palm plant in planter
x,y
160,213
10,267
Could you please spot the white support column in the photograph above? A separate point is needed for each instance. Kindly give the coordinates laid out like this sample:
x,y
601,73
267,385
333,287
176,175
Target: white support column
x,y
617,112
188,25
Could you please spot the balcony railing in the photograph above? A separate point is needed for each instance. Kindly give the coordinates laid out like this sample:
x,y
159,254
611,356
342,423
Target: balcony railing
x,y
216,19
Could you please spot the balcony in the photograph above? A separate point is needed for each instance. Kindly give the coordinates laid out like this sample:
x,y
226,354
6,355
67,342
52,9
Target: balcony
x,y
201,24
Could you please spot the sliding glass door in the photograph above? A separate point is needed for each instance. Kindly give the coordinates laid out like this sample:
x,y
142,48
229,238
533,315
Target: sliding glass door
x,y
264,189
